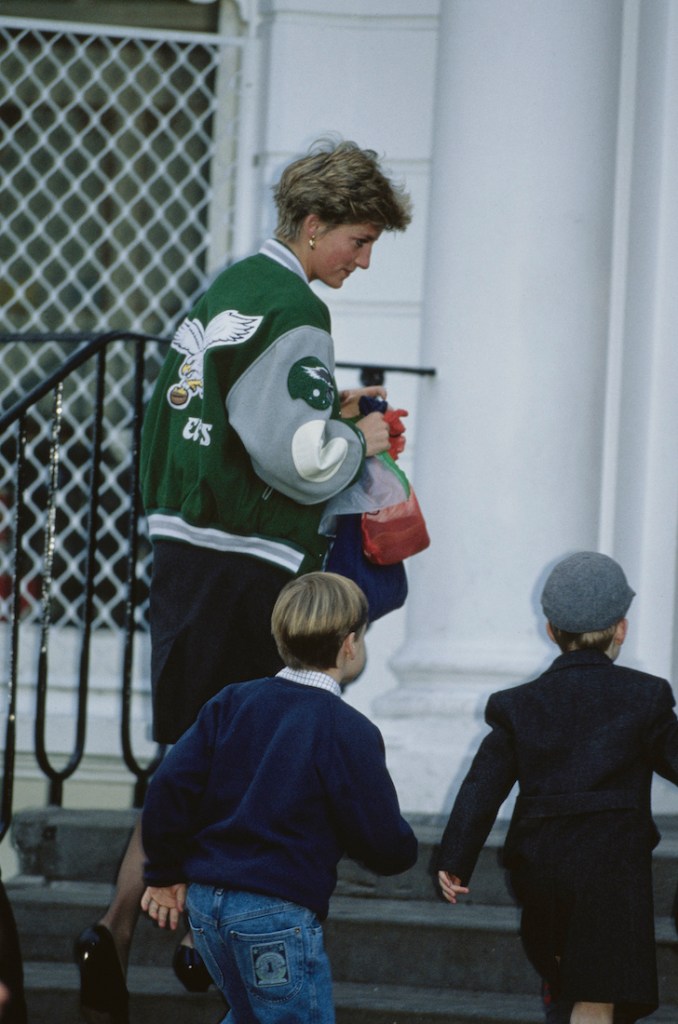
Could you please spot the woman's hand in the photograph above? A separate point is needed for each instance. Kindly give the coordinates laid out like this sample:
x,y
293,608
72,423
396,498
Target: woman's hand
x,y
165,903
450,886
349,399
350,409
374,429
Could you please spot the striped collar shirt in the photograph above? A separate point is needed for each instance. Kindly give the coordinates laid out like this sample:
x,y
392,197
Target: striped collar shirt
x,y
310,678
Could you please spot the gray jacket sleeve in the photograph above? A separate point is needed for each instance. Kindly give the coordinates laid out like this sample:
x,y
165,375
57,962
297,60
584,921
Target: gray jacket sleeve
x,y
283,409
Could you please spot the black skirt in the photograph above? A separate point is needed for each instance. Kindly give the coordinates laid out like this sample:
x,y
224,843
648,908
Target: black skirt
x,y
210,615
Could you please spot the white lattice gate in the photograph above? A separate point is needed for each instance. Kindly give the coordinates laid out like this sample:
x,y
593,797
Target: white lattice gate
x,y
114,144
121,167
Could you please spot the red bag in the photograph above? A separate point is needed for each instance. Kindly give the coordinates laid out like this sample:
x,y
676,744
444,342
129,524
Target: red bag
x,y
394,533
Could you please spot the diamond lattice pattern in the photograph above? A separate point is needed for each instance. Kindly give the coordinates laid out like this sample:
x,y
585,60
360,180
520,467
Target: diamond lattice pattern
x,y
109,154
112,147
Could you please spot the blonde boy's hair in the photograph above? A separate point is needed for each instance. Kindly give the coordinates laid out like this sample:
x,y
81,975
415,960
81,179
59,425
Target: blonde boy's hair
x,y
598,640
342,184
313,616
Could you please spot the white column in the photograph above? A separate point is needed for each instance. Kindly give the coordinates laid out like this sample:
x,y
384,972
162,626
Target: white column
x,y
516,306
642,482
643,490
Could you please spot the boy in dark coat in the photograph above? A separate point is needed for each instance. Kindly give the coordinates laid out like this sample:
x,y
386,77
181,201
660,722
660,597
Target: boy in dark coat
x,y
255,805
582,741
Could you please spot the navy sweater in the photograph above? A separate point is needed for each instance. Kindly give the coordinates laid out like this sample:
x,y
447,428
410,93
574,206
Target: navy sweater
x,y
270,787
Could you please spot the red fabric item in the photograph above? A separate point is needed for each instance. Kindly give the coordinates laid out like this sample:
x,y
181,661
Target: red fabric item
x,y
394,533
396,429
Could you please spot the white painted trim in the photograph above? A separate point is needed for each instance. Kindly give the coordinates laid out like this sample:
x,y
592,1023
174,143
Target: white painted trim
x,y
118,31
618,284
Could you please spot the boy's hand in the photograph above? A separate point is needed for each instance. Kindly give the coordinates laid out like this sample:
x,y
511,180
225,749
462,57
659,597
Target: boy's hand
x,y
165,904
450,886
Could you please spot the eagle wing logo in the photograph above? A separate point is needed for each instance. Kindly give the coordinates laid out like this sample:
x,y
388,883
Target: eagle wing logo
x,y
227,328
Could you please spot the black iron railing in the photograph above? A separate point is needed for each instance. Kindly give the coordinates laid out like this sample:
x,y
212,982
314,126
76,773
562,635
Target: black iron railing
x,y
91,352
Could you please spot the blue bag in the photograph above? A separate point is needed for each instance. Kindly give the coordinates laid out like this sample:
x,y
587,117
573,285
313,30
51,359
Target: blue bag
x,y
384,586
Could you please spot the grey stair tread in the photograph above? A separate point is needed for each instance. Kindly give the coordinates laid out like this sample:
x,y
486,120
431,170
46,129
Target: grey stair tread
x,y
35,888
429,827
424,913
142,980
403,1004
461,916
27,889
156,981
68,844
90,896
408,1000
379,932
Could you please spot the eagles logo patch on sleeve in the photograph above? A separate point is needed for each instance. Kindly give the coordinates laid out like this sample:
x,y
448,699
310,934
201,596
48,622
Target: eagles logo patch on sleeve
x,y
310,380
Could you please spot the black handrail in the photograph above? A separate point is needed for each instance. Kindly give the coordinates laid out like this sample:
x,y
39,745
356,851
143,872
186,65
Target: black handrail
x,y
370,373
13,684
79,357
142,774
375,373
56,777
93,348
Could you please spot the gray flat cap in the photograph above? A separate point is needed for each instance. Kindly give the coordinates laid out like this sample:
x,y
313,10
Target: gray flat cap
x,y
586,592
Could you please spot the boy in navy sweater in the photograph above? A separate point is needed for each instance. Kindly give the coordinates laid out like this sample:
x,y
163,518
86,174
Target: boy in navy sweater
x,y
258,801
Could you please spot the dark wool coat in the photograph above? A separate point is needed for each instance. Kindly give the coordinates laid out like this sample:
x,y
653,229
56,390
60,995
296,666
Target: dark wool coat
x,y
583,742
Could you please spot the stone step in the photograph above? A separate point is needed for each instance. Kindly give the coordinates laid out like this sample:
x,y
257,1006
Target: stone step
x,y
473,948
156,997
400,955
88,845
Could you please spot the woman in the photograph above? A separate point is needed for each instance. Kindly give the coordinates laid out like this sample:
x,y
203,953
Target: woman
x,y
245,440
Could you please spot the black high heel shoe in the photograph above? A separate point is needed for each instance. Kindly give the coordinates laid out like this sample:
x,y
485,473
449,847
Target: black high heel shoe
x,y
190,969
102,981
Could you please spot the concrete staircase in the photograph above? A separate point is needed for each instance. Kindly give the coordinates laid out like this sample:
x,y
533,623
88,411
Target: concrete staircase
x,y
399,954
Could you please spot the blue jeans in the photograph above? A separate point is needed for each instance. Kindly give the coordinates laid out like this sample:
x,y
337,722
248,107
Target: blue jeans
x,y
266,955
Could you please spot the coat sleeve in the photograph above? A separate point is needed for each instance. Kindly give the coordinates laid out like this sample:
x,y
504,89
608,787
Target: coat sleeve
x,y
662,733
285,409
488,782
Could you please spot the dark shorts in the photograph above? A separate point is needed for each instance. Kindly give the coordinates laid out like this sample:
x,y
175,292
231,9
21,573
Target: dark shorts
x,y
210,616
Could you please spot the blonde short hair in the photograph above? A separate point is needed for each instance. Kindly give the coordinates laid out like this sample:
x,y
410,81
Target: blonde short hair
x,y
313,616
597,640
342,184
